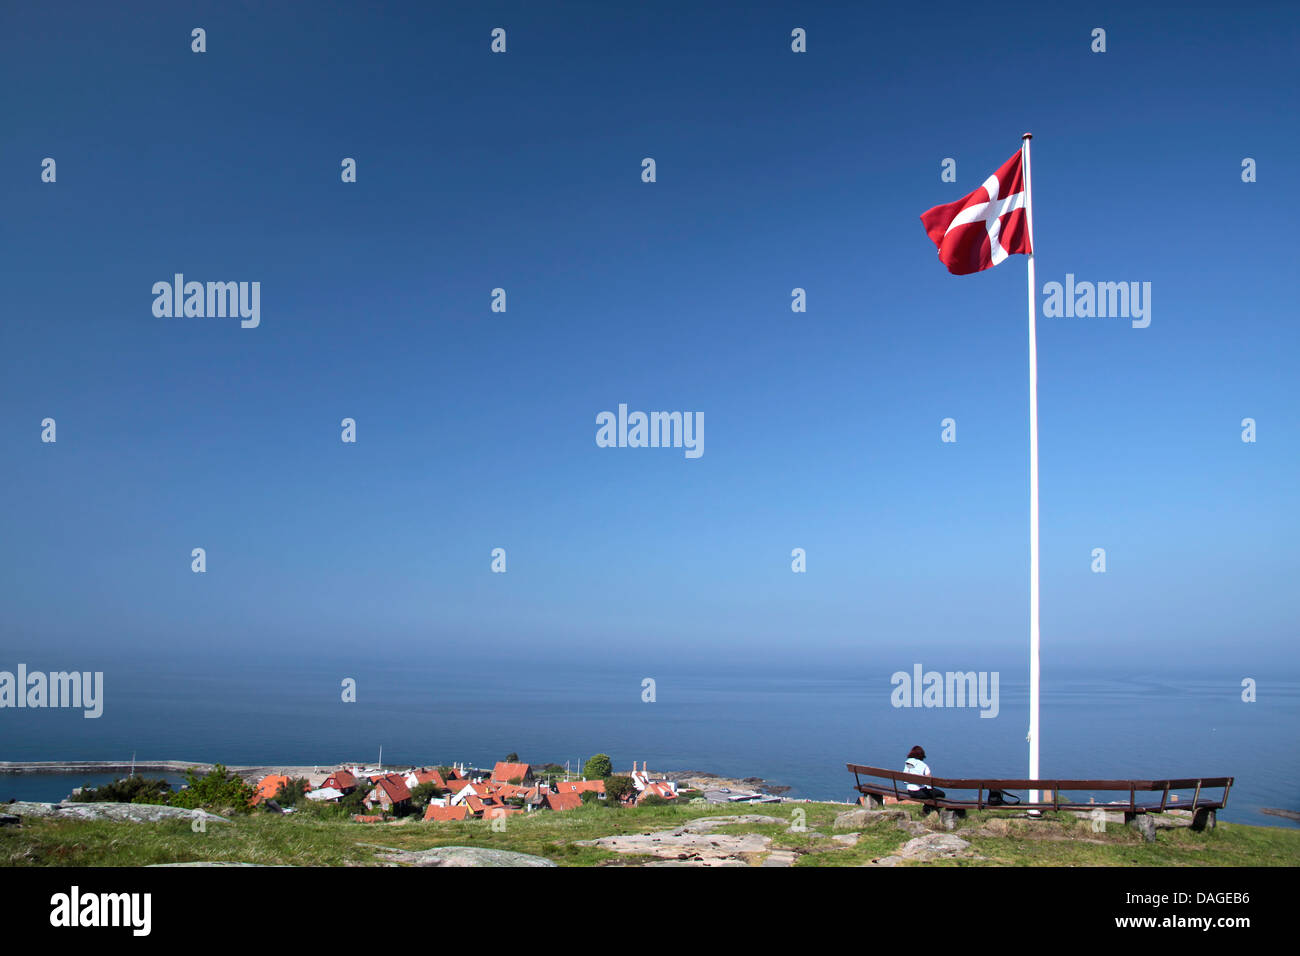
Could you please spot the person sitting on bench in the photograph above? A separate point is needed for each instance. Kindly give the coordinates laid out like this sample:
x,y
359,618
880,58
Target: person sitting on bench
x,y
916,764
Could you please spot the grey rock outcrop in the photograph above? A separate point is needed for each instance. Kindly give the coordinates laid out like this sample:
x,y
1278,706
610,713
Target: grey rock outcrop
x,y
923,849
857,819
126,812
708,824
694,843
933,846
463,856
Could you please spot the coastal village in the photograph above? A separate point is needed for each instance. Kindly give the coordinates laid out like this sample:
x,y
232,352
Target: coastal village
x,y
459,792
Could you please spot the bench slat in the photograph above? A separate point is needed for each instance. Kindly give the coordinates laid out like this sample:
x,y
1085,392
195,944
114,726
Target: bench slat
x,y
974,783
1051,788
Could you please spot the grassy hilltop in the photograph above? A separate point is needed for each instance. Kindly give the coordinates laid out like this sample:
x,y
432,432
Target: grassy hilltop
x,y
995,838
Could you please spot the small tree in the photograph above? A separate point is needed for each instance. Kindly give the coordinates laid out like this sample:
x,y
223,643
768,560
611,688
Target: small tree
x,y
512,758
292,793
220,790
425,792
617,787
598,767
354,802
590,796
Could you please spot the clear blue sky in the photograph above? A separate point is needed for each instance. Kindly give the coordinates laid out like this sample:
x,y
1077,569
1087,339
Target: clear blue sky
x,y
477,430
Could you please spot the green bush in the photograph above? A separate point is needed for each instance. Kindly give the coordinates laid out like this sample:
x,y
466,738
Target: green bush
x,y
423,793
352,802
617,787
323,809
220,790
293,793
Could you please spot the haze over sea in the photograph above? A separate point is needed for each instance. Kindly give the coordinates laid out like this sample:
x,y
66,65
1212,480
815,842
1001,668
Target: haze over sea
x,y
794,724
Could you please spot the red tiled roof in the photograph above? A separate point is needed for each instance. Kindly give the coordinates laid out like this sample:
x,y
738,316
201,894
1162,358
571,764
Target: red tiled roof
x,y
658,788
430,776
564,801
432,812
580,786
365,818
340,780
394,786
269,786
457,785
508,771
478,804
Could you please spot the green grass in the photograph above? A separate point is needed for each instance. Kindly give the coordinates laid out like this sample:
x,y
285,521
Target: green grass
x,y
308,840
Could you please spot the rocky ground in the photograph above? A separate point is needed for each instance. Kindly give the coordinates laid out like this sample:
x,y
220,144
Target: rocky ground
x,y
458,856
700,842
696,843
129,812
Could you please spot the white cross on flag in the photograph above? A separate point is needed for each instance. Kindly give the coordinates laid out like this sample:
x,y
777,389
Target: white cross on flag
x,y
980,230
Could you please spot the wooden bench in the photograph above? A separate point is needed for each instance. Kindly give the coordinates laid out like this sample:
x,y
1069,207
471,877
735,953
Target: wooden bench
x,y
1203,807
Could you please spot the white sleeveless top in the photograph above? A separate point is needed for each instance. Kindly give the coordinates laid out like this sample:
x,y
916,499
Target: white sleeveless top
x,y
916,766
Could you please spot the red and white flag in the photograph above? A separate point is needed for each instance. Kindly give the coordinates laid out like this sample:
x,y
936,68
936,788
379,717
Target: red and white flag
x,y
980,230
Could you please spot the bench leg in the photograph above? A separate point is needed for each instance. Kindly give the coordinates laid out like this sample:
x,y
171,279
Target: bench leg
x,y
1143,823
871,801
951,818
1204,819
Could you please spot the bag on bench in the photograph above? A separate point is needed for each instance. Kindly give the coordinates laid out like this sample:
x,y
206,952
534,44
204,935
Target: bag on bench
x,y
1000,798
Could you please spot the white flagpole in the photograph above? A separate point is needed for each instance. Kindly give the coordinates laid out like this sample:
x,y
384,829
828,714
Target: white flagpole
x,y
1033,480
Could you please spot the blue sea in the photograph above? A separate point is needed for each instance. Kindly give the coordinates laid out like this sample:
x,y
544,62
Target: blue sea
x,y
792,725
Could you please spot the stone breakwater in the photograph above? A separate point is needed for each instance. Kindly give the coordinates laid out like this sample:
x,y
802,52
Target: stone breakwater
x,y
100,766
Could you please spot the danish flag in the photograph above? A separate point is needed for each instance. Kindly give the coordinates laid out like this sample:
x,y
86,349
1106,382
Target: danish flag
x,y
980,230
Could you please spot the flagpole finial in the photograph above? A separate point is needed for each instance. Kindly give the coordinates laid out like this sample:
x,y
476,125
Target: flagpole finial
x,y
1027,136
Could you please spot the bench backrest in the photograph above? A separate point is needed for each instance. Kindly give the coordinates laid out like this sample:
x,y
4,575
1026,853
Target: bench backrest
x,y
1054,785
